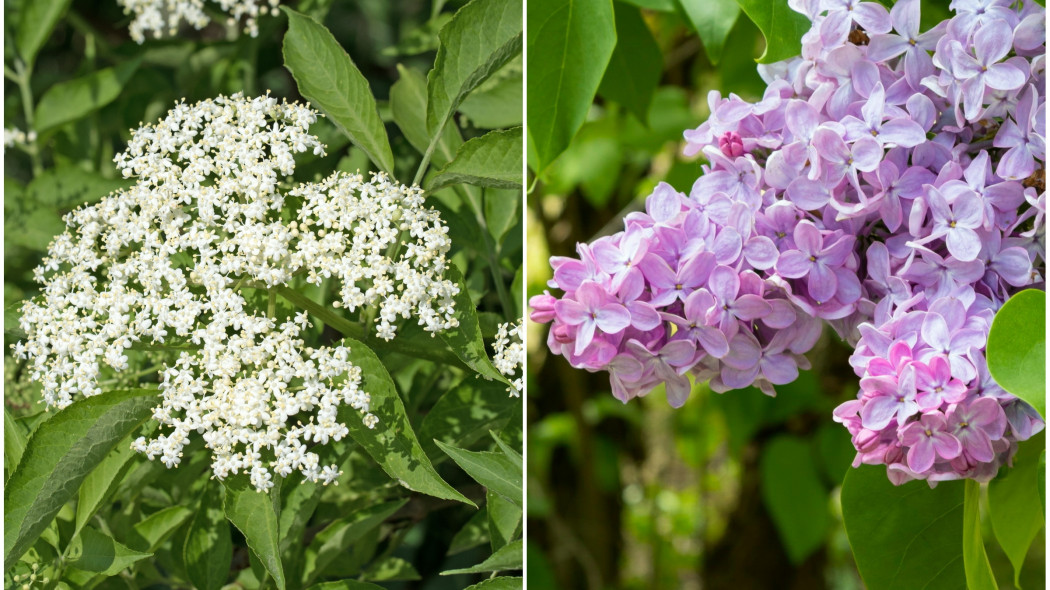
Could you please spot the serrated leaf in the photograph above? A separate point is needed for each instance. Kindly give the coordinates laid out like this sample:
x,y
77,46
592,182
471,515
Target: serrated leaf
x,y
497,102
14,441
150,533
408,104
60,454
794,495
904,536
392,443
479,40
327,76
466,338
504,518
569,46
338,536
252,513
502,211
464,413
500,583
495,471
492,160
1014,504
513,455
712,20
100,483
92,551
1017,347
507,558
782,27
208,550
39,18
979,574
69,101
636,65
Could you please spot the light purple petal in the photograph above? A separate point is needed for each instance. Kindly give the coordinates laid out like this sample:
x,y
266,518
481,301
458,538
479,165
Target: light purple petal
x,y
751,307
1004,77
878,412
902,132
761,252
963,243
794,264
822,283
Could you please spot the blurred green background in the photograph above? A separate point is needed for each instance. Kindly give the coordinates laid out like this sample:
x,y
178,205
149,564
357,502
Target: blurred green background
x,y
737,490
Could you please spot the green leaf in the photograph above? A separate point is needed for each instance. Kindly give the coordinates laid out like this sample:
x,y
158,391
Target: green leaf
x,y
60,454
492,160
1017,347
337,537
712,20
504,518
34,230
794,495
14,441
514,456
392,443
507,558
345,585
149,534
39,18
69,101
502,211
501,583
392,569
495,471
252,513
101,482
466,339
408,104
1014,504
979,574
92,551
208,550
907,536
782,27
479,40
474,533
569,44
636,65
465,412
65,187
327,76
497,102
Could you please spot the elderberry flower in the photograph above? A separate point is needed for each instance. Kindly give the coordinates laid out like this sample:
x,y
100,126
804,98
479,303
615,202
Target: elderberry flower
x,y
160,17
510,354
168,261
864,190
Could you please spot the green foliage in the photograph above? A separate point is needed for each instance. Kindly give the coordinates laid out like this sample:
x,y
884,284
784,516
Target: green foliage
x,y
38,20
1015,506
492,160
496,471
505,559
95,552
208,549
905,535
635,66
782,27
77,98
712,20
252,512
979,574
794,495
1017,347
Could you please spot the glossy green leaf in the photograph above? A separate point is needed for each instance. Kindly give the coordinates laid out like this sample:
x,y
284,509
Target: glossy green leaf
x,y
1014,505
507,558
327,76
92,551
712,20
208,550
39,18
636,65
253,514
392,443
502,210
495,471
345,585
979,574
907,536
101,482
794,495
1017,347
498,101
464,413
150,533
466,338
504,518
782,27
60,454
492,160
337,537
14,441
500,583
479,40
569,46
408,104
69,101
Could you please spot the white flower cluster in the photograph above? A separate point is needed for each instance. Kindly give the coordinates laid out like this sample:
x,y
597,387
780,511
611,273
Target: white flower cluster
x,y
510,353
15,137
158,17
164,263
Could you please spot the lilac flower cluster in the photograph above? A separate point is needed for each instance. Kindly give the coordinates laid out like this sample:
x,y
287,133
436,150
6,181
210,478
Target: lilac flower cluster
x,y
890,182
